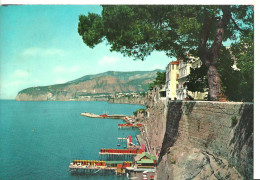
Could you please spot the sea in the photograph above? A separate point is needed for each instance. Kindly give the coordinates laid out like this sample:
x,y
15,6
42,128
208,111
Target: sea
x,y
39,139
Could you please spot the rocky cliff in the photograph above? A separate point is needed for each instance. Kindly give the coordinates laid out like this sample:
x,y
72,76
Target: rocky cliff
x,y
201,140
91,87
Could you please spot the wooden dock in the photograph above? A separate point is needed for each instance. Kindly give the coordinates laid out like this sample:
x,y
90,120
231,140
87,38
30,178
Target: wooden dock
x,y
114,116
103,153
100,167
92,169
129,125
71,166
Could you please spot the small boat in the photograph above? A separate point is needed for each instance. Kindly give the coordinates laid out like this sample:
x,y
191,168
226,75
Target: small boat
x,y
118,145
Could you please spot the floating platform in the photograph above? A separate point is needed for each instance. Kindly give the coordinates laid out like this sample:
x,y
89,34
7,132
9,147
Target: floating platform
x,y
114,116
131,151
94,167
129,125
118,151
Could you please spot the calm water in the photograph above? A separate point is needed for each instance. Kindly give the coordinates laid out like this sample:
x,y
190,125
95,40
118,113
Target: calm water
x,y
38,140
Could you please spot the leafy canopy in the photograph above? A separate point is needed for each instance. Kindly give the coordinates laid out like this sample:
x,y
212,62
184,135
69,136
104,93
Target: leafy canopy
x,y
138,30
159,80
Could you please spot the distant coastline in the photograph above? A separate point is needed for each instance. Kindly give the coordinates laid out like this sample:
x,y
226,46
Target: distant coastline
x,y
111,86
141,100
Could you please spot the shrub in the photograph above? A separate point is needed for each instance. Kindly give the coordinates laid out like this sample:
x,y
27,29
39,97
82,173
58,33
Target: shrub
x,y
173,160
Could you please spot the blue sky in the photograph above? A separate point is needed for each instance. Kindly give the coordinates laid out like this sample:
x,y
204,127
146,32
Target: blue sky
x,y
40,46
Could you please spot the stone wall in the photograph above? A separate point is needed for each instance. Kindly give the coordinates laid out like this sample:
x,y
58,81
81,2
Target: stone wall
x,y
203,140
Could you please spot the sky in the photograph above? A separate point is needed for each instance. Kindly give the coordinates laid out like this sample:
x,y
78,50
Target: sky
x,y
40,45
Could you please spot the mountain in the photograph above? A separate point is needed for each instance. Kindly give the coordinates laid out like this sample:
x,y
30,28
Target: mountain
x,y
91,87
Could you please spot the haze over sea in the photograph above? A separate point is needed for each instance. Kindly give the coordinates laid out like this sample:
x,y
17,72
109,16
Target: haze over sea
x,y
38,140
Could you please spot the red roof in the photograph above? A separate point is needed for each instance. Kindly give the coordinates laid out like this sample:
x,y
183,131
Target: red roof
x,y
175,62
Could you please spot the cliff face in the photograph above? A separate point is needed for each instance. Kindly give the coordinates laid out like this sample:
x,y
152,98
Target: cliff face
x,y
201,140
91,87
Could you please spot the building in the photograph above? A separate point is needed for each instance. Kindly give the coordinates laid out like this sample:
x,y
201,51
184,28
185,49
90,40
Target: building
x,y
184,70
172,75
146,161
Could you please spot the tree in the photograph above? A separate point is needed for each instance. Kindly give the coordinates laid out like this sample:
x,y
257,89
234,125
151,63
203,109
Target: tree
x,y
200,30
244,55
237,84
197,80
159,80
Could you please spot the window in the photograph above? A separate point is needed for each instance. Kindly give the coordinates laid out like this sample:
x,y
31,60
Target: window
x,y
173,67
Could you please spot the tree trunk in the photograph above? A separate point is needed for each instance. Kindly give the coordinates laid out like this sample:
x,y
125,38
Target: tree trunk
x,y
209,57
214,82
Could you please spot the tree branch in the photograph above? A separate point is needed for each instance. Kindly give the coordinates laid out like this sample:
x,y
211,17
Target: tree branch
x,y
215,47
237,25
202,50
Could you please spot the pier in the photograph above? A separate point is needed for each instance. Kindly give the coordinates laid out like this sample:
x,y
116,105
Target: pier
x,y
114,116
118,152
129,125
100,167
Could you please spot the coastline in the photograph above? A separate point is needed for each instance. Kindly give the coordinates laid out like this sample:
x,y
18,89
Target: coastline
x,y
120,100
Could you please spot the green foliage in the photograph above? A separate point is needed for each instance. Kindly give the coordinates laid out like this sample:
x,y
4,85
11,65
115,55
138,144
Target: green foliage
x,y
137,31
233,121
237,85
159,80
91,29
244,54
139,111
229,76
197,79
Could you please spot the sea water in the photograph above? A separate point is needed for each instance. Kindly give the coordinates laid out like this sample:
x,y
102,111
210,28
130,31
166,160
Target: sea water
x,y
38,140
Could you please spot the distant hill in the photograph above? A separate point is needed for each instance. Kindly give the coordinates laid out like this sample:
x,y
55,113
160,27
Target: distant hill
x,y
91,86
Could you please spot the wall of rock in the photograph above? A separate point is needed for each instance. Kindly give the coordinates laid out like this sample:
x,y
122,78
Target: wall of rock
x,y
200,139
207,139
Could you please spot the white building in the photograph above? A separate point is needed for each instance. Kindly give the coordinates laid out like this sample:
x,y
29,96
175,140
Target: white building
x,y
184,69
172,75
